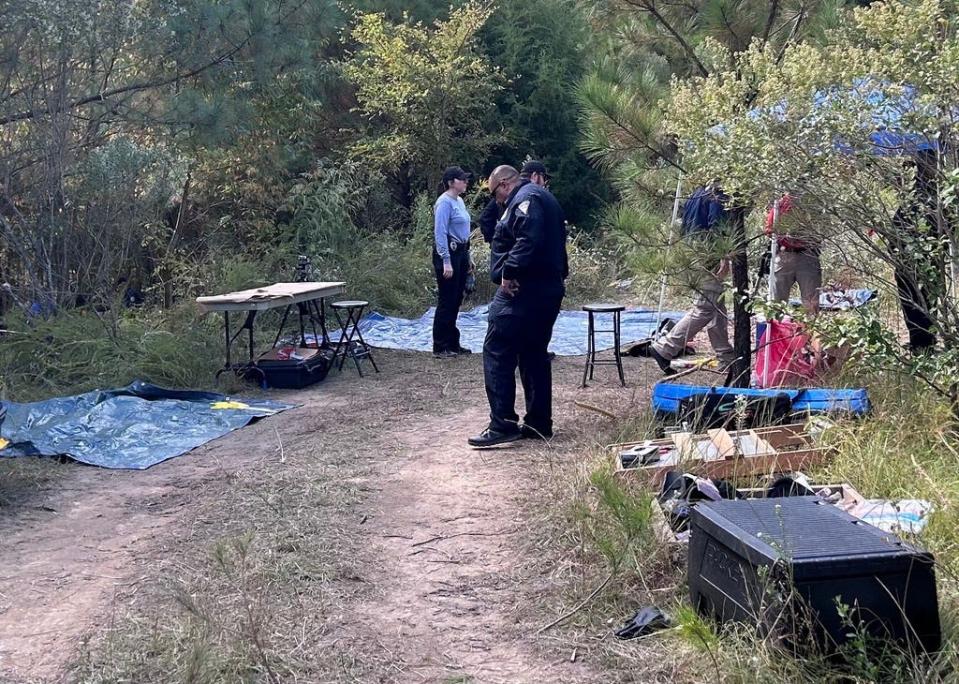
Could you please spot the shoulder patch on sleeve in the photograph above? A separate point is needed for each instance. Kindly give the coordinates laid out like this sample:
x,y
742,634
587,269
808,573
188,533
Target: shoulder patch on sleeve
x,y
523,208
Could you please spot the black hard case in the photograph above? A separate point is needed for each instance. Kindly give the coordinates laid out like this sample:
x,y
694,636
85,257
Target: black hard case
x,y
787,564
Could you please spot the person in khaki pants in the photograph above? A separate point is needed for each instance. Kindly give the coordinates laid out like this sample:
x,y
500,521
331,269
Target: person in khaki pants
x,y
704,215
797,256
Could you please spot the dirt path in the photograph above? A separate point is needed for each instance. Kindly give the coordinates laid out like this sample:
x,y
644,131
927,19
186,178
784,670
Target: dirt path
x,y
440,536
66,551
450,526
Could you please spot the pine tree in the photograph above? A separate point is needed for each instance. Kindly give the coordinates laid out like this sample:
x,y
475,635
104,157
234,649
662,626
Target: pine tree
x,y
626,96
544,46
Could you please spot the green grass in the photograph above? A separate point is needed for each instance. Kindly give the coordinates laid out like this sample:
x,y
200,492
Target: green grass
x,y
79,350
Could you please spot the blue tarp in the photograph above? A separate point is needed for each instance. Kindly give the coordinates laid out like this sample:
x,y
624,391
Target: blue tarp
x,y
569,333
134,427
890,110
667,396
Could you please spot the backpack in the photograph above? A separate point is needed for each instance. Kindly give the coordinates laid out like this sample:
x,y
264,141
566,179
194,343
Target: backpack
x,y
704,212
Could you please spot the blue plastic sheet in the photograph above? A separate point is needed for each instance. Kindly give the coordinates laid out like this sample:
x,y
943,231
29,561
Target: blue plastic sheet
x,y
134,427
892,109
667,396
569,333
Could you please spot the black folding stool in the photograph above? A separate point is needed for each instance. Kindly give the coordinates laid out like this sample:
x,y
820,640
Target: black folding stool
x,y
356,349
591,360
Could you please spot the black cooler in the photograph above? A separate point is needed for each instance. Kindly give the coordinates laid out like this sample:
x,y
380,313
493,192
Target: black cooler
x,y
789,564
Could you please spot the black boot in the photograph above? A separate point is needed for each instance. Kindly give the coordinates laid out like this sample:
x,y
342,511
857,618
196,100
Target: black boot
x,y
490,437
661,361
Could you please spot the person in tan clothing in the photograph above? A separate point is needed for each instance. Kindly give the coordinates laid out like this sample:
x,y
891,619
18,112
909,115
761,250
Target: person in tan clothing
x,y
797,255
704,216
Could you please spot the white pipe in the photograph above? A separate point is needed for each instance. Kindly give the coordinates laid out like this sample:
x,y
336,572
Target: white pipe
x,y
662,276
770,297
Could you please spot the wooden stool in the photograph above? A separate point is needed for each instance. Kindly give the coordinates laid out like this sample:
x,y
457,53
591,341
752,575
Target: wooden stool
x,y
357,348
591,360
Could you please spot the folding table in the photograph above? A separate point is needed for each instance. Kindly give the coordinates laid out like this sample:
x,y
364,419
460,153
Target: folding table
x,y
308,297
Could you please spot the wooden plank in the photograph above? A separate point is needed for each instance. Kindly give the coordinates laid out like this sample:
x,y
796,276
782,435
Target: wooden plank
x,y
725,443
684,446
693,447
791,431
786,437
787,461
271,296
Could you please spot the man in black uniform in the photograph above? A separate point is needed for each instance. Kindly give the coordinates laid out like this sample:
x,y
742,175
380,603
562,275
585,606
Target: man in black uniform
x,y
533,171
528,262
536,172
488,218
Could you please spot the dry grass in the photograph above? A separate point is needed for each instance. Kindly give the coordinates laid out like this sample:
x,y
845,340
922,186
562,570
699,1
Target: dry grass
x,y
259,586
255,590
877,455
251,591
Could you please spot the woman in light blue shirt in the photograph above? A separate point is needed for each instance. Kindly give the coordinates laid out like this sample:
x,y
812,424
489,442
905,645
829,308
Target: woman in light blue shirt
x,y
451,261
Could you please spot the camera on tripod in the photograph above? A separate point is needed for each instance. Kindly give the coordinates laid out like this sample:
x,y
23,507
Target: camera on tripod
x,y
304,269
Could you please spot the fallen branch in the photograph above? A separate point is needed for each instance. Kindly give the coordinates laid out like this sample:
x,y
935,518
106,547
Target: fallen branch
x,y
608,414
280,443
690,371
458,534
582,604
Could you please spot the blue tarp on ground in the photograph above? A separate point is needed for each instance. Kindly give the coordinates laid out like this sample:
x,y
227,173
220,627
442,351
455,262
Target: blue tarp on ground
x,y
134,427
569,333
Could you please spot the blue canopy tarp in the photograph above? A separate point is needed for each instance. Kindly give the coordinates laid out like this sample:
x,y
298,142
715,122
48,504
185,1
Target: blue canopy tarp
x,y
890,113
133,427
569,333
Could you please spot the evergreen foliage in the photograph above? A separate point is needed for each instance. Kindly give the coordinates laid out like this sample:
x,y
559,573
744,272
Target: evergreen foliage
x,y
543,47
625,99
424,93
804,119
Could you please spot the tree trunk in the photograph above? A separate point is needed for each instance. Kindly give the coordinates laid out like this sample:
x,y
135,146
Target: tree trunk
x,y
174,237
739,372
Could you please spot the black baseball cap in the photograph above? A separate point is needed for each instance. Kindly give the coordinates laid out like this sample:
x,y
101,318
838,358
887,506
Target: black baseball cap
x,y
455,173
533,166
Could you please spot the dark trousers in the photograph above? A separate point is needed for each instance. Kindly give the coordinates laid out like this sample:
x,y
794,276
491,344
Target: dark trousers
x,y
446,336
914,307
520,328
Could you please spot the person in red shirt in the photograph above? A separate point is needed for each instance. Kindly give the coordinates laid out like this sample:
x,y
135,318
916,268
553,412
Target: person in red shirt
x,y
797,255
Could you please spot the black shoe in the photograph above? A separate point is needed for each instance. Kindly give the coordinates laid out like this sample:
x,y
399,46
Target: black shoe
x,y
661,361
490,437
463,350
550,356
445,354
530,432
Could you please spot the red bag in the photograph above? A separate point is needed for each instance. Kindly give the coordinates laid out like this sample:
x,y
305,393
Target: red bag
x,y
792,361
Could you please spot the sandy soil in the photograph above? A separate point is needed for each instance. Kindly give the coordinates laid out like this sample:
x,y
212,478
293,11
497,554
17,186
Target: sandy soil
x,y
441,533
